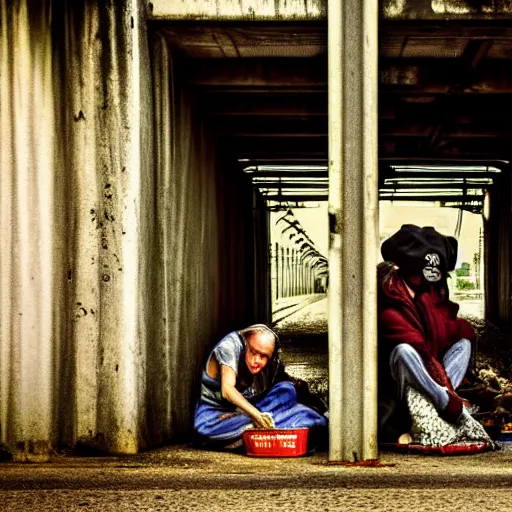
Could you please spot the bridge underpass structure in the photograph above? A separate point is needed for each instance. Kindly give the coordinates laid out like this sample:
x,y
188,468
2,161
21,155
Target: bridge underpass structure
x,y
264,90
133,238
443,109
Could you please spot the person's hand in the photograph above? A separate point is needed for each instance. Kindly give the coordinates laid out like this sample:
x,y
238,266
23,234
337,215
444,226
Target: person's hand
x,y
263,420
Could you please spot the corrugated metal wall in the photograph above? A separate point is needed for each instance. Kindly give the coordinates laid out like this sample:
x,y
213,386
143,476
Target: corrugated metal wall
x,y
123,251
203,250
76,220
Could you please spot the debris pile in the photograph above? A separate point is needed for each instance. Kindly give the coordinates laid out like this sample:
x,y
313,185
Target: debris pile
x,y
491,391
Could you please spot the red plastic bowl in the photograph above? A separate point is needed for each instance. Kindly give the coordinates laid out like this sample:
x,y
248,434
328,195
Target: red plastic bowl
x,y
284,442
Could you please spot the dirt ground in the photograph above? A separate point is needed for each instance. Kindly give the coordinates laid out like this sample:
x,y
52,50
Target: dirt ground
x,y
182,478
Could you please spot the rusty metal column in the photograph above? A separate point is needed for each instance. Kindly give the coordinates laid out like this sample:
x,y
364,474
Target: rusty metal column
x,y
353,225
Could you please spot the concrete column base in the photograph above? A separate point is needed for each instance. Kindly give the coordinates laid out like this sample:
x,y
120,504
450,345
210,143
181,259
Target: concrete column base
x,y
29,451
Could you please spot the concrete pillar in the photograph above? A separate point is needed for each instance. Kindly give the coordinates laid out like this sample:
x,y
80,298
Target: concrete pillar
x,y
353,225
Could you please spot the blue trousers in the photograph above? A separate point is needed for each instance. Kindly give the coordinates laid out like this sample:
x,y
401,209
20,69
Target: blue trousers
x,y
408,369
280,401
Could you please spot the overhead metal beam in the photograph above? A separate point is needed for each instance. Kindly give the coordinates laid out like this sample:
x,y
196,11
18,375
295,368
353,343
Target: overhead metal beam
x,y
420,75
293,159
270,126
437,198
254,11
268,146
289,174
298,198
443,29
217,103
314,10
268,72
460,10
478,149
284,185
443,76
436,161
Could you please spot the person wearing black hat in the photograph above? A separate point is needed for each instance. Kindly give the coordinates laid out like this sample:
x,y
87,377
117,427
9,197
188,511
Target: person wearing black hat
x,y
422,342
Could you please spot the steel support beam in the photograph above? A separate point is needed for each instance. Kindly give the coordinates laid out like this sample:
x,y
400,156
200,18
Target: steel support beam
x,y
265,72
215,103
418,76
313,185
297,198
260,126
353,224
443,76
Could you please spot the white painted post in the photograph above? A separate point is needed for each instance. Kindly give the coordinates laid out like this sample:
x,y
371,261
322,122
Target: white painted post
x,y
353,223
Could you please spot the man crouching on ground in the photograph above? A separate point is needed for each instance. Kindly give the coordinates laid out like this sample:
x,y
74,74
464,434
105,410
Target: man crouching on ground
x,y
242,384
422,343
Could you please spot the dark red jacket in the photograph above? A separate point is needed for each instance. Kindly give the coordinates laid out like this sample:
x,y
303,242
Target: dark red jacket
x,y
428,322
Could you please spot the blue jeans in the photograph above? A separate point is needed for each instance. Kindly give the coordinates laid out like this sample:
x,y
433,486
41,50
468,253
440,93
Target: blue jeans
x,y
280,401
408,369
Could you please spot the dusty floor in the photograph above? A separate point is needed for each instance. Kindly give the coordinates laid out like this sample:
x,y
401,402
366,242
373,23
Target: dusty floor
x,y
182,478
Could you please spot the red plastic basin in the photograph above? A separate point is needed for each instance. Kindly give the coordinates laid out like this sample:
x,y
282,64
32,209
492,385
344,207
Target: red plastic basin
x,y
284,442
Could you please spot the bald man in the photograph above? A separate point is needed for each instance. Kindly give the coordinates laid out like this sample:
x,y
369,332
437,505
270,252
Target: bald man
x,y
241,385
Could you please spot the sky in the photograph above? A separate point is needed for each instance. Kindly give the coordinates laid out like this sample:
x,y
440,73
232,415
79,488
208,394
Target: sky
x,y
393,215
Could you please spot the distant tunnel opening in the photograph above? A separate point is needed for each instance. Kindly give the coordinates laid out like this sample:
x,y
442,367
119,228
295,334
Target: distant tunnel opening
x,y
262,102
452,199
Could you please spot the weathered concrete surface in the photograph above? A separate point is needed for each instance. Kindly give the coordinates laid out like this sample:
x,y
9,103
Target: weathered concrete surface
x,y
331,499
74,232
123,251
353,228
182,478
446,9
240,9
317,9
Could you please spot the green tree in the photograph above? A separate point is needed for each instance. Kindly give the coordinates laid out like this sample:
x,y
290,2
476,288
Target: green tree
x,y
463,271
462,284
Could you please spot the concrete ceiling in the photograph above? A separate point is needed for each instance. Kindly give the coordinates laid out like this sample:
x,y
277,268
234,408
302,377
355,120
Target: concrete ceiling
x,y
445,89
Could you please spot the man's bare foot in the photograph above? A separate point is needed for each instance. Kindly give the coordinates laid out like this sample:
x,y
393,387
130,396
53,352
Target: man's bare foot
x,y
405,438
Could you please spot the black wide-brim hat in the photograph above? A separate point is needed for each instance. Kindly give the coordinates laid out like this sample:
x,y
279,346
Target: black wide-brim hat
x,y
422,251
